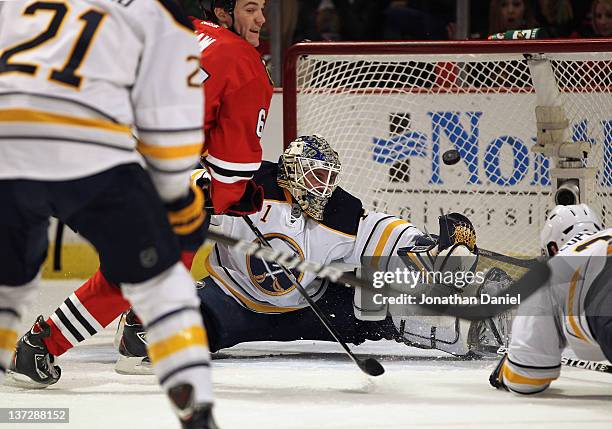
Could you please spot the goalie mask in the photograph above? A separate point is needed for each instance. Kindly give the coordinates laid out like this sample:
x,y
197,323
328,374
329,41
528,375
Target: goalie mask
x,y
310,170
563,222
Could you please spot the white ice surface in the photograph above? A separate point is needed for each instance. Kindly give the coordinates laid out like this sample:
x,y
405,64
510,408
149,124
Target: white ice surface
x,y
312,385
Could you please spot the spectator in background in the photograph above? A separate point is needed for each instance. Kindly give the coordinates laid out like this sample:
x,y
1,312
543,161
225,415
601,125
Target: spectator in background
x,y
507,15
602,18
327,21
557,18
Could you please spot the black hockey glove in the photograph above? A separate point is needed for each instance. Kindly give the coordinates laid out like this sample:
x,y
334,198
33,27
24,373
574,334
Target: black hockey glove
x,y
496,379
189,219
250,202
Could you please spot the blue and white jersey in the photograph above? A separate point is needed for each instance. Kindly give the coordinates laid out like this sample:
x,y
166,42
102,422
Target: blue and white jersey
x,y
346,234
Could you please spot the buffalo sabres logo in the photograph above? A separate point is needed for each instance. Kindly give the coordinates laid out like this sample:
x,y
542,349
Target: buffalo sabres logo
x,y
268,277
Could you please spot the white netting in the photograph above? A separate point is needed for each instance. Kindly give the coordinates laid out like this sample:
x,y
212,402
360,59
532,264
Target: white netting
x,y
391,117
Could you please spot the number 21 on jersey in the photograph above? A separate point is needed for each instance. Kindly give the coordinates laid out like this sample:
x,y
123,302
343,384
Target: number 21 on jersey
x,y
67,73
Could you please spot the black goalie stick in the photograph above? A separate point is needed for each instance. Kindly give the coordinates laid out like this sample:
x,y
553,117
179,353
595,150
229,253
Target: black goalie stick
x,y
369,366
575,363
536,277
524,263
525,286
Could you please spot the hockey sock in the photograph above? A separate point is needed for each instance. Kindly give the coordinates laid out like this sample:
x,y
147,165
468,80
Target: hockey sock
x,y
177,342
13,299
87,311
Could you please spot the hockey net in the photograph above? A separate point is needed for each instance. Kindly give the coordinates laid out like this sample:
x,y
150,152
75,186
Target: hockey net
x,y
392,109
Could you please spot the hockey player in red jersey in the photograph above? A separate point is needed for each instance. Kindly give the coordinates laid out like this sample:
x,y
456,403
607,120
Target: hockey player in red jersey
x,y
236,104
238,93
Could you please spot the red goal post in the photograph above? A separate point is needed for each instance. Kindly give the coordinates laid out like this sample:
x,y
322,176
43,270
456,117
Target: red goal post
x,y
392,108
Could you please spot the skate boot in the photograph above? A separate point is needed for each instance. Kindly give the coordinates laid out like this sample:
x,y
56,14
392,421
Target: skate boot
x,y
192,416
133,358
32,365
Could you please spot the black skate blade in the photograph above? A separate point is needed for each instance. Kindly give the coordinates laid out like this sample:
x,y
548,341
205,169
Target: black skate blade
x,y
371,367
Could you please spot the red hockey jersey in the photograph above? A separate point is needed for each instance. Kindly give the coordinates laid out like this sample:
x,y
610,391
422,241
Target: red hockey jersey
x,y
238,91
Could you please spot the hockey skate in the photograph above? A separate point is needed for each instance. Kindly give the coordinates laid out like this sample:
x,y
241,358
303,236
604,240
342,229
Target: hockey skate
x,y
192,416
133,358
32,365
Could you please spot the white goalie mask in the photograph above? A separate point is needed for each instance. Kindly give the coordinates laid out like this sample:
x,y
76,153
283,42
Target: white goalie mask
x,y
563,222
310,170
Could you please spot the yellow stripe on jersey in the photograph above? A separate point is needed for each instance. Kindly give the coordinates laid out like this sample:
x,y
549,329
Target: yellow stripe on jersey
x,y
570,311
188,337
512,377
8,339
261,308
169,152
384,238
27,115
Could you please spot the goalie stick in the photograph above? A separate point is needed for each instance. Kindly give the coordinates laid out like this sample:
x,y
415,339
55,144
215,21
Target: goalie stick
x,y
524,263
536,277
575,363
369,366
525,286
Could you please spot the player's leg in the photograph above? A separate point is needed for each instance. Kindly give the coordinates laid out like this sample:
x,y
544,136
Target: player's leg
x,y
128,225
458,337
85,312
228,323
598,309
23,246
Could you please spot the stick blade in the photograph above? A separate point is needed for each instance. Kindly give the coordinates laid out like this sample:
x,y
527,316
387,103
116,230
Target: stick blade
x,y
371,367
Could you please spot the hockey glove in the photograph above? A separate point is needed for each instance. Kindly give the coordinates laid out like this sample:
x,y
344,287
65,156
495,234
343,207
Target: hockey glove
x,y
496,379
188,219
250,202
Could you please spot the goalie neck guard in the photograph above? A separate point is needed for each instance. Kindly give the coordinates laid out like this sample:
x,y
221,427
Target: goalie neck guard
x,y
310,170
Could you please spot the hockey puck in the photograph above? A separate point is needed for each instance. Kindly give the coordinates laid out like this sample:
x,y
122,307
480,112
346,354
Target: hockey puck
x,y
451,157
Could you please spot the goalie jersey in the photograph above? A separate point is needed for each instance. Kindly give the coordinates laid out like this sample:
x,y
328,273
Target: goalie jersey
x,y
346,234
78,78
555,316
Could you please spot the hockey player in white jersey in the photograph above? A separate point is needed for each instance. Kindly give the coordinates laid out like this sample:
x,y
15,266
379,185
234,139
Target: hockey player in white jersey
x,y
306,213
77,79
574,309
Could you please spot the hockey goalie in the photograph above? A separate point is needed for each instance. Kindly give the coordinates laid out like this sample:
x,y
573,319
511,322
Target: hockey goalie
x,y
246,299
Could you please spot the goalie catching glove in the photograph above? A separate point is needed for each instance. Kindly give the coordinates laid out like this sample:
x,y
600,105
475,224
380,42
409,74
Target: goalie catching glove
x,y
188,219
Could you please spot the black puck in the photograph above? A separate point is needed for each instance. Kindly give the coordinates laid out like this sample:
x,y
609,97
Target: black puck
x,y
451,157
